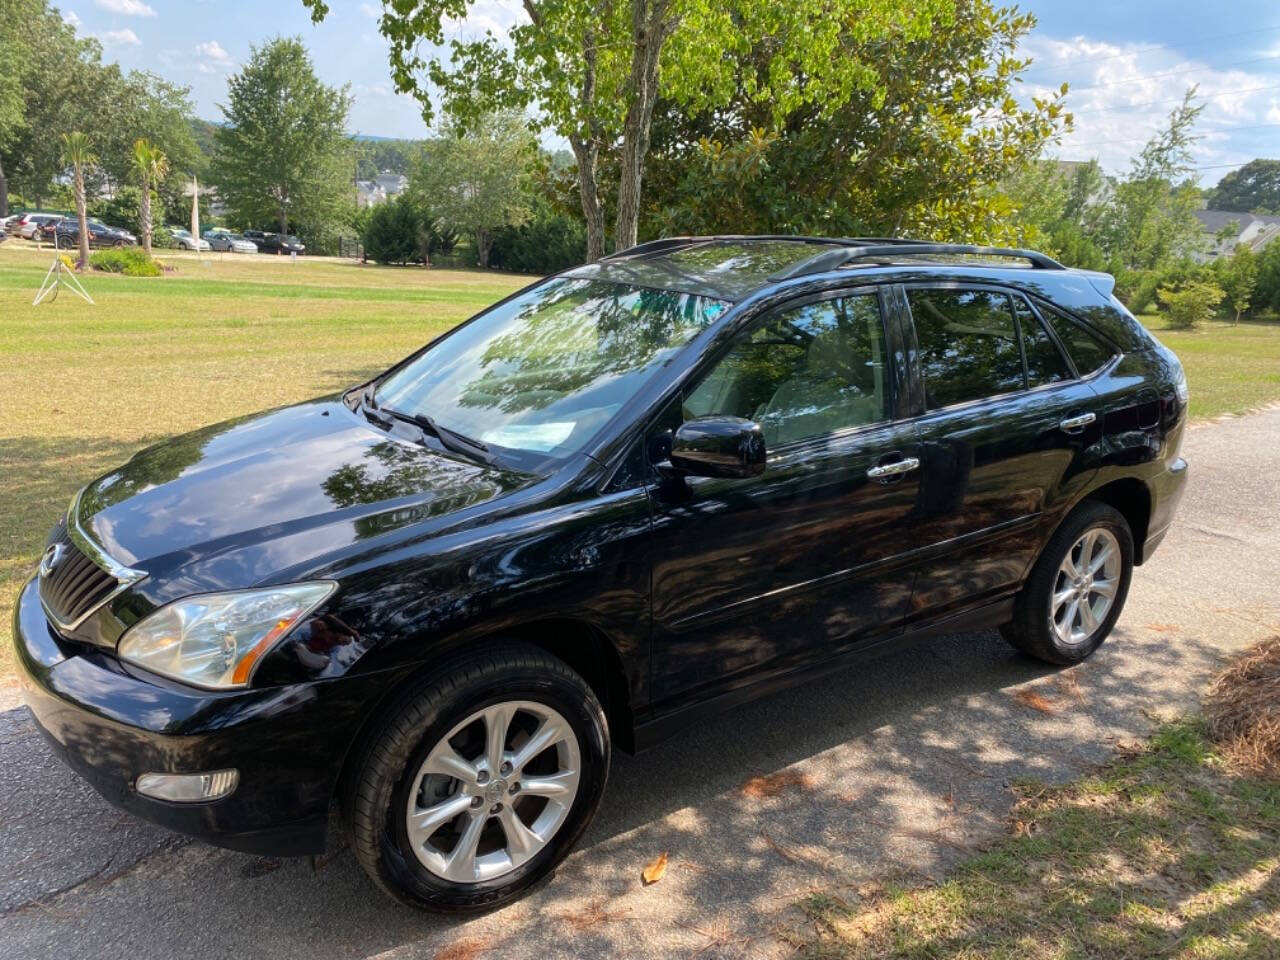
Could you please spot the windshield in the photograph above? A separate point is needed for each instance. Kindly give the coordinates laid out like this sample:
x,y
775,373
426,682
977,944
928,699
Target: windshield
x,y
543,372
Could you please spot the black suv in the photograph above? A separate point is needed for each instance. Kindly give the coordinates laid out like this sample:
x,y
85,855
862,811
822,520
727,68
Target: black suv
x,y
646,488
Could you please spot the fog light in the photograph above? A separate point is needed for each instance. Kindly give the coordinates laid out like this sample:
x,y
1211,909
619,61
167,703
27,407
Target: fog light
x,y
188,787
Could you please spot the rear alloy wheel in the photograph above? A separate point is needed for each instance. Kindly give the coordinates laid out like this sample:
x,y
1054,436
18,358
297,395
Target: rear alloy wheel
x,y
1077,588
479,780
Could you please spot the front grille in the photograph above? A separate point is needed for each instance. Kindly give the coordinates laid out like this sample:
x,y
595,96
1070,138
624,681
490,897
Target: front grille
x,y
75,585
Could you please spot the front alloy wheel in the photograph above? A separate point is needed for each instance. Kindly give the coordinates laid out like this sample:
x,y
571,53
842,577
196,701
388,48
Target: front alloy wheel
x,y
494,791
478,779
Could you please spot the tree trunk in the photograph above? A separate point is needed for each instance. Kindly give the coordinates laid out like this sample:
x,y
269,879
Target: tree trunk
x,y
484,242
284,220
586,150
649,34
146,216
84,220
587,156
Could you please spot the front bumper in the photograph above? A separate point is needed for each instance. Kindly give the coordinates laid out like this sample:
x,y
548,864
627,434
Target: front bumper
x,y
288,742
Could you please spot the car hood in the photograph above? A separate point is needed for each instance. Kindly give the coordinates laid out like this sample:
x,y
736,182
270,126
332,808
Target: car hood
x,y
250,498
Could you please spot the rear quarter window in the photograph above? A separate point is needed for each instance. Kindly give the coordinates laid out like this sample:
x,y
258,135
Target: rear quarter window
x,y
968,344
1088,352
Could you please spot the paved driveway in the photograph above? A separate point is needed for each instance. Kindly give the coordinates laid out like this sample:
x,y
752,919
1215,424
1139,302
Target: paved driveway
x,y
897,766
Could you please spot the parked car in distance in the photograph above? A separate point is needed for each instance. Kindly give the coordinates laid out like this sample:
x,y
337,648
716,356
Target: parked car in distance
x,y
186,241
227,242
30,223
625,497
67,234
275,242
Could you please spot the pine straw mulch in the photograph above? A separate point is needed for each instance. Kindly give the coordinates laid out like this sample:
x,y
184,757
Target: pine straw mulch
x,y
1242,709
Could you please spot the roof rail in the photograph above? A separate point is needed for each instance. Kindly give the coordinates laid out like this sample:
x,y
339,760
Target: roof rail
x,y
834,259
672,243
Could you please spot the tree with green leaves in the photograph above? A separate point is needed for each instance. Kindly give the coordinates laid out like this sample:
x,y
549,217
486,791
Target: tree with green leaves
x,y
77,155
282,156
1151,219
1237,275
476,179
917,149
1254,188
594,71
1190,303
151,166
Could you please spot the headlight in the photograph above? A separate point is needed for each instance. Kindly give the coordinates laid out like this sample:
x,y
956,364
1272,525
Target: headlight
x,y
215,639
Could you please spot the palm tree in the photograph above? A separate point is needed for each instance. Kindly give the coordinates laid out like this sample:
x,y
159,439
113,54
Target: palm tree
x,y
76,154
152,166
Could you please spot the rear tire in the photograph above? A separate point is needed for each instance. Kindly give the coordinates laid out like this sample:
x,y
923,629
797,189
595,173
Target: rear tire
x,y
428,820
1077,587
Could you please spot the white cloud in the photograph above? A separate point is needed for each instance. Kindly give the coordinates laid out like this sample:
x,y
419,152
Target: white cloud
x,y
121,38
1121,95
213,50
371,10
128,8
70,19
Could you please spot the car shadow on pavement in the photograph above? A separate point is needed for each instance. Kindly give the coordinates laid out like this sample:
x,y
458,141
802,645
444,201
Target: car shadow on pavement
x,y
904,766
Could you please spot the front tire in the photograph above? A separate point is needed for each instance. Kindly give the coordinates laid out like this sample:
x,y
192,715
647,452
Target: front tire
x,y
1077,587
479,781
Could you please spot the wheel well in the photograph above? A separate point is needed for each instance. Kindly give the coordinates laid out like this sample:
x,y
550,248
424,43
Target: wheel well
x,y
1132,498
590,653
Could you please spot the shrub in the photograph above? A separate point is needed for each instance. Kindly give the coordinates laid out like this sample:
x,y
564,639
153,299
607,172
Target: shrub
x,y
391,232
1194,302
550,242
130,261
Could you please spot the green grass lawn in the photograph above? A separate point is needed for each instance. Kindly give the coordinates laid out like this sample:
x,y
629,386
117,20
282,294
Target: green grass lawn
x,y
1165,852
1230,369
83,387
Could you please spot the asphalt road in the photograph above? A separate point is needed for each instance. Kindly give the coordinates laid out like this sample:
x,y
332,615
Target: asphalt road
x,y
899,766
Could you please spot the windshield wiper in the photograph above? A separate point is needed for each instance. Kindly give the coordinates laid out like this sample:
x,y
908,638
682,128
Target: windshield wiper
x,y
450,439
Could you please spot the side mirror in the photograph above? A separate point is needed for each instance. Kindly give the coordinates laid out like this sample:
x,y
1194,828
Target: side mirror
x,y
718,447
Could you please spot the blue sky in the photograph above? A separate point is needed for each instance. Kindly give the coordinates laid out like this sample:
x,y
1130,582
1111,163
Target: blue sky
x,y
1128,61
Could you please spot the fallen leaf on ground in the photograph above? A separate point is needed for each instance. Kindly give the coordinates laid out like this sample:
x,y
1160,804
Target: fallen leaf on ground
x,y
772,784
462,950
656,868
1036,701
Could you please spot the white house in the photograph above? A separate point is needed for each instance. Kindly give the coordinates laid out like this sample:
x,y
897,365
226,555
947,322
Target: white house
x,y
1251,229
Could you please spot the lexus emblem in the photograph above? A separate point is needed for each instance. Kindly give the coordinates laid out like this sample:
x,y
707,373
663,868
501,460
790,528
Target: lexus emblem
x,y
52,557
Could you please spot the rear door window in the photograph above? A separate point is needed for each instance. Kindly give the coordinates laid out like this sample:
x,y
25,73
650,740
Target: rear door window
x,y
968,344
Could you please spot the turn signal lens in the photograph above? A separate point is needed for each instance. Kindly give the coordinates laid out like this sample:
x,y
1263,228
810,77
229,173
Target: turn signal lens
x,y
188,787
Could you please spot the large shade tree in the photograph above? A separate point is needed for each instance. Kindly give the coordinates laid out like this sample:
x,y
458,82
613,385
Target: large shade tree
x,y
593,71
282,155
477,183
915,151
1254,188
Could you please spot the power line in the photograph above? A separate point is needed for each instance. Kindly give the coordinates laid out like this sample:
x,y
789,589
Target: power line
x,y
1198,132
1156,103
1157,46
1172,73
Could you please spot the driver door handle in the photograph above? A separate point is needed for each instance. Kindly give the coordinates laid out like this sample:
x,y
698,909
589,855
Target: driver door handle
x,y
894,469
1077,423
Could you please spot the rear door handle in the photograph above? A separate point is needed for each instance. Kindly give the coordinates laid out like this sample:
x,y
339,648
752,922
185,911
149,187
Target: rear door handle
x,y
1077,423
896,468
